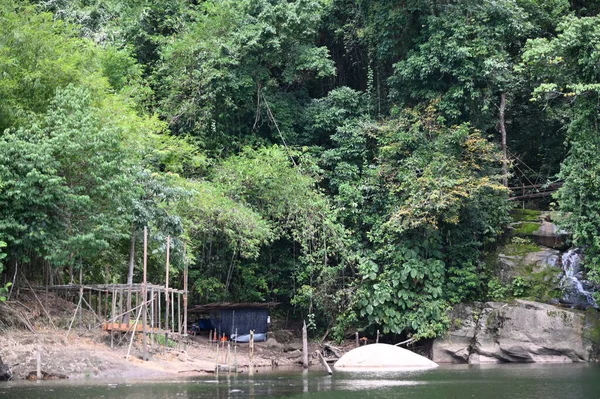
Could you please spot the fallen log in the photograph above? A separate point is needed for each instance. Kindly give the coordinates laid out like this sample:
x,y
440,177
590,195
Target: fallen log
x,y
334,350
32,376
325,364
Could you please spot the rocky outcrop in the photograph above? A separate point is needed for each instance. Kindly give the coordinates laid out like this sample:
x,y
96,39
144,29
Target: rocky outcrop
x,y
521,332
6,373
549,235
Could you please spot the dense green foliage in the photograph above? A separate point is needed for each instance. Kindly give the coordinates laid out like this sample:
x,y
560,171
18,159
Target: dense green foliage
x,y
338,156
569,74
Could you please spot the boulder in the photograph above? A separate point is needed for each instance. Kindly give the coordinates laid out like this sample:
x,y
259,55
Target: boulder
x,y
456,346
549,235
282,336
382,356
293,346
519,332
272,343
5,372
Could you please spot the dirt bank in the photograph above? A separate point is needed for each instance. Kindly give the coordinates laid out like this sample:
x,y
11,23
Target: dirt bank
x,y
90,355
29,325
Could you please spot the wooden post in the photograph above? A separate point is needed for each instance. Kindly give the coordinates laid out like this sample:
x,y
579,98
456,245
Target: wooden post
x,y
152,317
172,310
121,307
158,301
133,333
106,304
185,290
90,299
179,313
357,341
39,364
252,347
113,319
72,320
217,362
80,294
235,362
167,283
228,362
144,296
304,346
324,363
99,304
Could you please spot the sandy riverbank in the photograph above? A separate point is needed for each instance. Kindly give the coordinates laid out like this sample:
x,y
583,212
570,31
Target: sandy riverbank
x,y
31,323
90,355
25,329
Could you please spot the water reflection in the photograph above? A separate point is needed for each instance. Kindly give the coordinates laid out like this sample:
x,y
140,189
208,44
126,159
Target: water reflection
x,y
494,382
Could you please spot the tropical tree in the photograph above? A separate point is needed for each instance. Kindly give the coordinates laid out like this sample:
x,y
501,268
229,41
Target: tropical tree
x,y
566,66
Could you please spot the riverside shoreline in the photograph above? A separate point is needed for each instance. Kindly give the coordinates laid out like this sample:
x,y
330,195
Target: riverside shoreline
x,y
90,356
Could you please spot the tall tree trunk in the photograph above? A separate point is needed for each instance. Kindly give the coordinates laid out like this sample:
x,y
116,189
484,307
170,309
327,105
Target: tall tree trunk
x,y
502,124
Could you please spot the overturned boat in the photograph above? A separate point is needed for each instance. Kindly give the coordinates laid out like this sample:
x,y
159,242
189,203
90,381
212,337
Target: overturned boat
x,y
382,357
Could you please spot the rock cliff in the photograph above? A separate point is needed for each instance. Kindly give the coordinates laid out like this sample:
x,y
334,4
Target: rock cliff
x,y
520,331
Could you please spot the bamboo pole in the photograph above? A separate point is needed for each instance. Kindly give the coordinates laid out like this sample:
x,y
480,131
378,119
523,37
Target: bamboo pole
x,y
152,317
167,283
235,362
251,347
304,346
73,319
106,304
179,313
185,289
228,362
217,362
133,333
89,301
113,318
80,294
98,308
144,295
91,309
121,305
158,301
172,310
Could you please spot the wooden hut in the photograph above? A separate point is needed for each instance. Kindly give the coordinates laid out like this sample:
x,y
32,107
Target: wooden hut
x,y
229,318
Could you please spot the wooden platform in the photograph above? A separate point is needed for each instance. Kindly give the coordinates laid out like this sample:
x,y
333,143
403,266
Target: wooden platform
x,y
122,327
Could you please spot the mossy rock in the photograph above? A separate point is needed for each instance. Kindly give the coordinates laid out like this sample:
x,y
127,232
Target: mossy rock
x,y
592,332
525,229
520,249
525,215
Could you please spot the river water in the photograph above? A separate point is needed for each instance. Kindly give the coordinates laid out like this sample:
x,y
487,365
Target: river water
x,y
514,381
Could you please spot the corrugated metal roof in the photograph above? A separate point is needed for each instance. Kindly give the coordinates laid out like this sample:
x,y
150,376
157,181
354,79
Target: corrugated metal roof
x,y
231,305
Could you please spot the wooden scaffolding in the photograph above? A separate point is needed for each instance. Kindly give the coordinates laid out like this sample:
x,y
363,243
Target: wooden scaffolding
x,y
144,308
